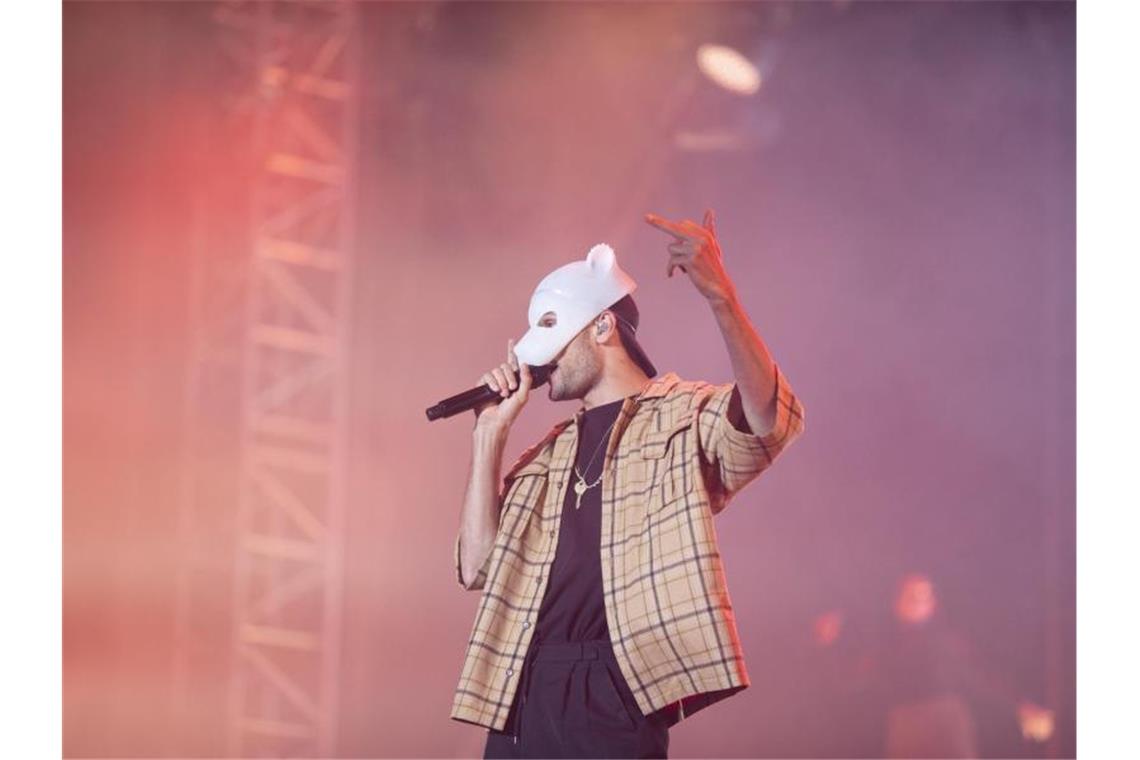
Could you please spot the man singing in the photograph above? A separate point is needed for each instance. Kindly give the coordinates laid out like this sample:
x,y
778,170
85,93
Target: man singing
x,y
605,616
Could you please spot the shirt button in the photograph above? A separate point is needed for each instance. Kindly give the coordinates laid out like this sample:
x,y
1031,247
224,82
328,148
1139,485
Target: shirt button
x,y
510,672
526,624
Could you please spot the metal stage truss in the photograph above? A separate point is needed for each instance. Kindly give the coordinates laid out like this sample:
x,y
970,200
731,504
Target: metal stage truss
x,y
299,64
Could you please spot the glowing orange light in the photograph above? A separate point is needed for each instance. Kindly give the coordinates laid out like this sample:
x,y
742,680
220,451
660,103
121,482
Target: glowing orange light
x,y
1036,722
916,601
728,68
827,628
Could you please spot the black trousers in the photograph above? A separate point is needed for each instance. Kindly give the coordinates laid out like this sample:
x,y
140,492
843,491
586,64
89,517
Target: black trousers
x,y
573,701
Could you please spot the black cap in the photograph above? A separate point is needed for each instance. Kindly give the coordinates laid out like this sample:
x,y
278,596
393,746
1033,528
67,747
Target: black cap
x,y
627,319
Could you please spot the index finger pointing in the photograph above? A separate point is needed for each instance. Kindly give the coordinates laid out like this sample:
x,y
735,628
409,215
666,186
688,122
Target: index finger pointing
x,y
673,228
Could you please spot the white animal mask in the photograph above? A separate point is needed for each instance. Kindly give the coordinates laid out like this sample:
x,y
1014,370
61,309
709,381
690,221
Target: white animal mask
x,y
575,293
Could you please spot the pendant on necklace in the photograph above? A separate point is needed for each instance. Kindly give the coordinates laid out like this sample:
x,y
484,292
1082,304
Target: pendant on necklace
x,y
579,489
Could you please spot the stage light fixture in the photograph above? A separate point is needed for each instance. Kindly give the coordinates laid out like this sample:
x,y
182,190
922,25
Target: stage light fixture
x,y
728,69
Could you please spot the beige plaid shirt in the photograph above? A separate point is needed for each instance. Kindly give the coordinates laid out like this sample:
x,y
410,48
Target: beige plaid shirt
x,y
674,460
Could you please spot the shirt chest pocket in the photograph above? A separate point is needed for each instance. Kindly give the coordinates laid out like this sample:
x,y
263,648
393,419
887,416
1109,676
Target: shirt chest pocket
x,y
669,456
527,491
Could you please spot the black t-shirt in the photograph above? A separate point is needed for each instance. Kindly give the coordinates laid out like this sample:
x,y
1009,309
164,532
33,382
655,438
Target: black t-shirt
x,y
573,608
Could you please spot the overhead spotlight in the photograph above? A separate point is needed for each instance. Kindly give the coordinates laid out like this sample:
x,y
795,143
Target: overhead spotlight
x,y
728,68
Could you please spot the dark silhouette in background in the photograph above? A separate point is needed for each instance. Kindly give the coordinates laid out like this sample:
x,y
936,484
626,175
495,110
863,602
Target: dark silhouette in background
x,y
916,688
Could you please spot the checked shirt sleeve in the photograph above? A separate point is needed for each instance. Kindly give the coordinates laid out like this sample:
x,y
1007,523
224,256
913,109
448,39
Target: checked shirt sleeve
x,y
728,443
533,461
480,576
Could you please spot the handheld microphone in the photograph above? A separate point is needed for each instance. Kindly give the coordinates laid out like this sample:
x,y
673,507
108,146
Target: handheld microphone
x,y
470,399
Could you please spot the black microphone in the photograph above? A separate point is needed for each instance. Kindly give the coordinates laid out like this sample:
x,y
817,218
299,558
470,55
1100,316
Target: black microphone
x,y
461,402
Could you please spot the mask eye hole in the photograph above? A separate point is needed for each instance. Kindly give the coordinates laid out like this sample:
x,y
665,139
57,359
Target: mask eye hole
x,y
549,319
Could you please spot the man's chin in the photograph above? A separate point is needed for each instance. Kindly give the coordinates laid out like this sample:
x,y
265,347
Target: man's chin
x,y
551,385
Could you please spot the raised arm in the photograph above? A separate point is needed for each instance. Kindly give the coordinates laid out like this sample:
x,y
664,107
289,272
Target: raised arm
x,y
696,252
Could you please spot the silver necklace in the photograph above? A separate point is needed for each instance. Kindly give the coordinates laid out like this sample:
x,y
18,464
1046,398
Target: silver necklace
x,y
581,487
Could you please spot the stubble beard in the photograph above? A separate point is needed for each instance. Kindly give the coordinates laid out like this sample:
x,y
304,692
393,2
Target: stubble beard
x,y
557,386
561,383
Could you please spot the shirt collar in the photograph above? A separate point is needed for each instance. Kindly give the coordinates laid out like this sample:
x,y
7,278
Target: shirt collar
x,y
657,388
661,385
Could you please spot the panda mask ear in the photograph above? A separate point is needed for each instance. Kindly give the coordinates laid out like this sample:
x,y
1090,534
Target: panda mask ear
x,y
601,258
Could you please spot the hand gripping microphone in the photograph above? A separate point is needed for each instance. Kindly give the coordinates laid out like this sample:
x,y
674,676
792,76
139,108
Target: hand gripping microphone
x,y
470,399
